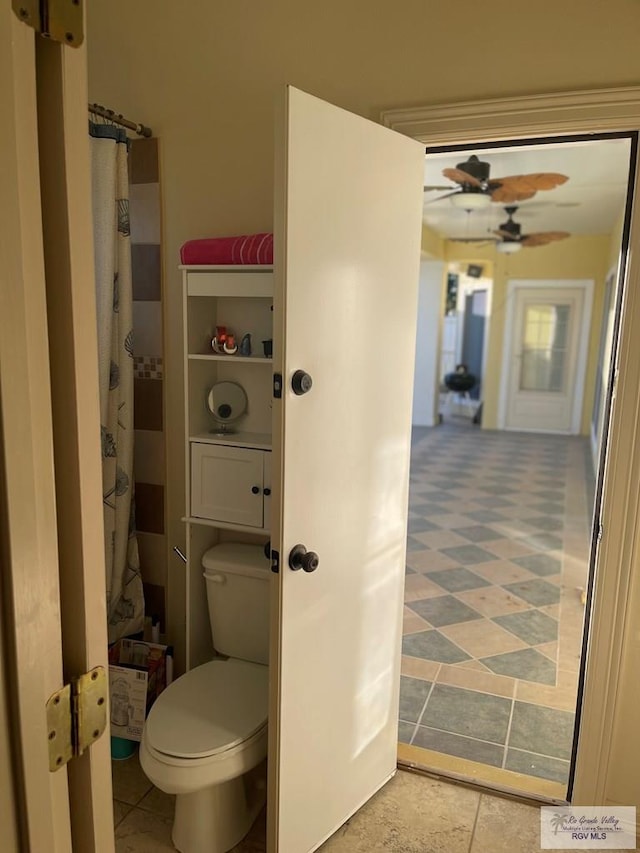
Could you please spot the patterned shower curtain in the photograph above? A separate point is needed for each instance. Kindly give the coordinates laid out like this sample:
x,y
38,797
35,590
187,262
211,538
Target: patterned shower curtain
x,y
110,193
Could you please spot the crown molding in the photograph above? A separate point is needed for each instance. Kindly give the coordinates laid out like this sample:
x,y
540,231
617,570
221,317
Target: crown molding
x,y
525,116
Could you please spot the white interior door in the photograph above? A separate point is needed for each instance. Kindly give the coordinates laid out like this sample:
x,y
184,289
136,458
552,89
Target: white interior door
x,y
546,356
348,224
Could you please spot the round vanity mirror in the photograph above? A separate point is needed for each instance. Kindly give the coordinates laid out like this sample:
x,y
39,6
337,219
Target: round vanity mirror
x,y
227,402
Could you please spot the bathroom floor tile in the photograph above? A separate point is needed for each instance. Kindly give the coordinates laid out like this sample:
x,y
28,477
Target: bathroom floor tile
x,y
543,541
546,522
492,601
432,646
413,695
539,593
445,610
410,814
430,561
457,580
158,802
478,533
506,826
532,626
129,782
458,745
479,679
466,712
482,638
420,525
144,832
405,731
526,664
545,731
540,564
120,811
468,555
541,766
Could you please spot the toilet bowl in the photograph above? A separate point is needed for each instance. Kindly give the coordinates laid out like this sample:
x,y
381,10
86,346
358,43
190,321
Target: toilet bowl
x,y
207,730
199,742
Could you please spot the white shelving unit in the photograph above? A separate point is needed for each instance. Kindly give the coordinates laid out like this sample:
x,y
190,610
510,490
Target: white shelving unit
x,y
228,483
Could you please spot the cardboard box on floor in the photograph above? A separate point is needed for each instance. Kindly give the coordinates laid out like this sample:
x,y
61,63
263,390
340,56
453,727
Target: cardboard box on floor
x,y
137,676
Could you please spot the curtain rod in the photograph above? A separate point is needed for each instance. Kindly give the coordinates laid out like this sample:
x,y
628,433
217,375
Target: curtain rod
x,y
140,129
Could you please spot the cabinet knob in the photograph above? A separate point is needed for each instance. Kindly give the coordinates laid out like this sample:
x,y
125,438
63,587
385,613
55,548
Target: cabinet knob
x,y
300,558
267,492
255,490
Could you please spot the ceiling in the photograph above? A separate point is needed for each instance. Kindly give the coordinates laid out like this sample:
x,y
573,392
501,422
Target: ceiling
x,y
590,202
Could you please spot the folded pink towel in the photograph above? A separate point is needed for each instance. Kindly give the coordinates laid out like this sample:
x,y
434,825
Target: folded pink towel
x,y
248,249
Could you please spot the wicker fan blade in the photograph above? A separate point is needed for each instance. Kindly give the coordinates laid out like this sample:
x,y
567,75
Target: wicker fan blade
x,y
543,237
440,197
505,194
535,181
461,177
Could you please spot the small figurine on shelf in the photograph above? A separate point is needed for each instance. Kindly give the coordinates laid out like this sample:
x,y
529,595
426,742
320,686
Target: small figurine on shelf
x,y
230,346
245,345
219,340
224,342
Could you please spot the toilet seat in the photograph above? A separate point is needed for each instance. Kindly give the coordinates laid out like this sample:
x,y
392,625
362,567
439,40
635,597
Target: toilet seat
x,y
210,710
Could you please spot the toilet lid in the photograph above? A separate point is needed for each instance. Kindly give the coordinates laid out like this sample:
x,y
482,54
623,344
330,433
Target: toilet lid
x,y
210,709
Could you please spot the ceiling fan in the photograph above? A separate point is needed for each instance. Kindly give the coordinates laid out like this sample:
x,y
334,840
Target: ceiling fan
x,y
476,189
511,238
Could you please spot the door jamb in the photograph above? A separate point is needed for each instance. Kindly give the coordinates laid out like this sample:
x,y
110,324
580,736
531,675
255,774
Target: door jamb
x,y
611,628
514,285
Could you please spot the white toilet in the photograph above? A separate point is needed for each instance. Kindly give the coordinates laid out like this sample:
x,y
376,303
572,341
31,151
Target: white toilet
x,y
208,729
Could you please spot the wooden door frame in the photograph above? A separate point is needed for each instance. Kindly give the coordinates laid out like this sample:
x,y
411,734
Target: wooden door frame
x,y
516,285
51,526
31,638
614,587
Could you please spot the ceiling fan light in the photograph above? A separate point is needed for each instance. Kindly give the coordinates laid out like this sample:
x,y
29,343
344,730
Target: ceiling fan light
x,y
471,201
507,247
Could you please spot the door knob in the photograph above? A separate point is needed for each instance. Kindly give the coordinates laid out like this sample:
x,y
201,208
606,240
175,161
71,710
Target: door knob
x,y
301,382
255,490
300,558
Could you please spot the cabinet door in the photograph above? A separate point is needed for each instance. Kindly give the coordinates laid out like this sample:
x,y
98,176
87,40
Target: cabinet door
x,y
348,224
226,484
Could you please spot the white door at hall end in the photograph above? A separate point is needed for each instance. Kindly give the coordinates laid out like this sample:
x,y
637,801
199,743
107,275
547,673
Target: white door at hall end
x,y
348,228
545,360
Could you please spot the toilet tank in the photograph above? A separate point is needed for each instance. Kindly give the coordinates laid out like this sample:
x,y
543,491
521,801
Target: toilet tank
x,y
237,580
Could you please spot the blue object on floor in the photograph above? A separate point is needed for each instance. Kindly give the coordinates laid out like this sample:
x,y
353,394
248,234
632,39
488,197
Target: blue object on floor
x,y
122,748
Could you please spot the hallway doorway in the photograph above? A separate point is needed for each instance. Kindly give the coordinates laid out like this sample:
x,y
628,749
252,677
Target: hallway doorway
x,y
497,561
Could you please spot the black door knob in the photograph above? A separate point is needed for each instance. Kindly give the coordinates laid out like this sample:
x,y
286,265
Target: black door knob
x,y
300,558
301,382
255,490
266,492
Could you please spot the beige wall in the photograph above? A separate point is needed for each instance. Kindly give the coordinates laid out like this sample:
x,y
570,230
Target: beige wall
x,y
580,257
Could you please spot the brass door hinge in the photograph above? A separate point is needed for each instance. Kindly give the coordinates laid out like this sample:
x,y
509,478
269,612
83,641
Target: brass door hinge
x,y
58,20
76,716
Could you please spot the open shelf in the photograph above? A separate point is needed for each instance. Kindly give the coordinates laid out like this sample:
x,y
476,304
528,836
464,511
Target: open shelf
x,y
225,525
238,359
255,440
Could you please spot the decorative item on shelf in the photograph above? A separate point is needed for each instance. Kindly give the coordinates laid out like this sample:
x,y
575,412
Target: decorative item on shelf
x,y
245,345
227,402
267,347
224,342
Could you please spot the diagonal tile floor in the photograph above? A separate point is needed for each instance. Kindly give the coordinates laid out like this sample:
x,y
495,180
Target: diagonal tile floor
x,y
497,552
